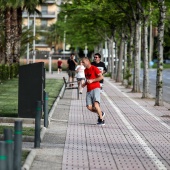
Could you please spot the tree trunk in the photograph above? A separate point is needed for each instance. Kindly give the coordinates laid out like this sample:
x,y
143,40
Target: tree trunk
x,y
116,61
101,49
95,49
112,58
121,52
19,18
109,56
145,92
130,58
14,34
124,82
159,82
136,80
151,42
8,49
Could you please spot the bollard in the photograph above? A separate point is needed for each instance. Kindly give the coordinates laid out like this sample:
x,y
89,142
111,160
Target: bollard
x,y
17,145
3,157
37,124
9,147
46,109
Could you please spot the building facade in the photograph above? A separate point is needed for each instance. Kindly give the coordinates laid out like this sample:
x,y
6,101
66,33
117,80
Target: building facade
x,y
49,12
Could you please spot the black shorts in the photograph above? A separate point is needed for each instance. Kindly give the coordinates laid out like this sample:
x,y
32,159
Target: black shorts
x,y
79,79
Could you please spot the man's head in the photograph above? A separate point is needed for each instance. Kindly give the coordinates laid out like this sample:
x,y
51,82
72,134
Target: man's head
x,y
86,62
97,57
72,56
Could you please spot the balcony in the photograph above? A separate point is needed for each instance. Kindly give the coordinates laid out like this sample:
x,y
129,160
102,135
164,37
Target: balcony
x,y
44,14
41,43
50,2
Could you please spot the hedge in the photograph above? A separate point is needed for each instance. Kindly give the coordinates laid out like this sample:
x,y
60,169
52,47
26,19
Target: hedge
x,y
8,72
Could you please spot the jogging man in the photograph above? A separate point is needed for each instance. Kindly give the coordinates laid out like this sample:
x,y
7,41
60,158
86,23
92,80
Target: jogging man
x,y
93,76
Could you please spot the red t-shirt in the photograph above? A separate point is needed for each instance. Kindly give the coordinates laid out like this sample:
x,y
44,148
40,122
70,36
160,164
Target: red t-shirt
x,y
59,63
92,73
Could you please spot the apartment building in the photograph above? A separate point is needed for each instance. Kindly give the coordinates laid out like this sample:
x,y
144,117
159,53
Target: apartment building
x,y
49,11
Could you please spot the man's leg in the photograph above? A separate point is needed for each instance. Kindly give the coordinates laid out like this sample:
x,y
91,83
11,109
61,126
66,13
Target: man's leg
x,y
98,110
93,102
73,75
70,78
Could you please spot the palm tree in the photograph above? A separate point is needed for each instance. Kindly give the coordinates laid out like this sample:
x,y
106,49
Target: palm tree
x,y
12,10
30,6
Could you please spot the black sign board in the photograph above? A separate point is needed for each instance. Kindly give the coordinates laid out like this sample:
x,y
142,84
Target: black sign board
x,y
31,88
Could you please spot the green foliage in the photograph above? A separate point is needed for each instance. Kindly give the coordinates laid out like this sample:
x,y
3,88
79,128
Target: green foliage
x,y
5,72
14,70
8,72
92,20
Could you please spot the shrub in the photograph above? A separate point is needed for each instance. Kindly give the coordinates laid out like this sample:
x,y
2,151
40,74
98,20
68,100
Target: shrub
x,y
8,72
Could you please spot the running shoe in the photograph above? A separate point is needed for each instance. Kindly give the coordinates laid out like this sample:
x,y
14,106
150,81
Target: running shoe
x,y
103,114
101,122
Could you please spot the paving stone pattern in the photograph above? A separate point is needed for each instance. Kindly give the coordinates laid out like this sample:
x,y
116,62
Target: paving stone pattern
x,y
136,134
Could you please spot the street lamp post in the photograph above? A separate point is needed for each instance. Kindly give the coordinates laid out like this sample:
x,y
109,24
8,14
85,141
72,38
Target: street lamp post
x,y
50,60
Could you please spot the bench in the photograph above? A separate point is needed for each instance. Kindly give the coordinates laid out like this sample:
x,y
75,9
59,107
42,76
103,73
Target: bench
x,y
68,86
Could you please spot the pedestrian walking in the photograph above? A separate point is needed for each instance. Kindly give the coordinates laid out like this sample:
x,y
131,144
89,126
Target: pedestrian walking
x,y
72,62
80,76
93,76
101,66
59,65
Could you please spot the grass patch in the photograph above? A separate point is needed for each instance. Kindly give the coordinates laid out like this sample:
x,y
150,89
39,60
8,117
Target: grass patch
x,y
26,131
24,156
53,88
9,95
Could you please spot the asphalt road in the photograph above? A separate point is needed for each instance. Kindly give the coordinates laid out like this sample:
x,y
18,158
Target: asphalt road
x,y
152,83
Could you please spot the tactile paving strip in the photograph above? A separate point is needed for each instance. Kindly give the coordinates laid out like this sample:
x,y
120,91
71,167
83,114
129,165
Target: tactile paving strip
x,y
113,146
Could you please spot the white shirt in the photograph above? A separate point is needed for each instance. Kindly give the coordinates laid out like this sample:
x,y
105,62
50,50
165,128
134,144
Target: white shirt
x,y
80,73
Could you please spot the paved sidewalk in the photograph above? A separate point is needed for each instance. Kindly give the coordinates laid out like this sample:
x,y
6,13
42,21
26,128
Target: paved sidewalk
x,y
136,134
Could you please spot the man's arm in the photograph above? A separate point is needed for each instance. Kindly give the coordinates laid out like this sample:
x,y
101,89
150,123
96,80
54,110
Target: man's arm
x,y
105,69
100,77
75,61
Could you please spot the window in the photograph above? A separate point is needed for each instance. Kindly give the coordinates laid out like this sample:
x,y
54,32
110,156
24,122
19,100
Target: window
x,y
44,9
43,23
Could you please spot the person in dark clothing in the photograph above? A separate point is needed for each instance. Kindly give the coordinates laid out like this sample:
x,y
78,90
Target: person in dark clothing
x,y
100,65
72,63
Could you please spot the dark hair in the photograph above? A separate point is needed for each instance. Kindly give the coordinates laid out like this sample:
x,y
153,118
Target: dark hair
x,y
72,54
98,55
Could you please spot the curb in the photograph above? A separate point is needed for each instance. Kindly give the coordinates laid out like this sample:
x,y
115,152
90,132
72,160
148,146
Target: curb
x,y
55,104
29,160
